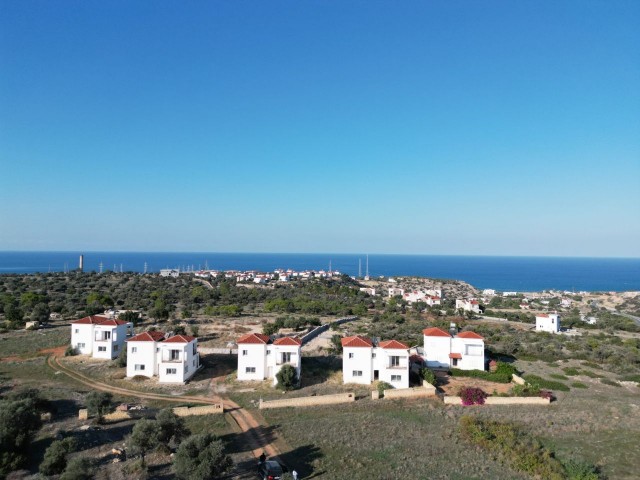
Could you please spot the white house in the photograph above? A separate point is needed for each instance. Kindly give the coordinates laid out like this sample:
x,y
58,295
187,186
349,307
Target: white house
x,y
142,354
367,290
99,336
548,322
393,291
260,358
169,272
433,300
363,363
471,305
465,350
178,359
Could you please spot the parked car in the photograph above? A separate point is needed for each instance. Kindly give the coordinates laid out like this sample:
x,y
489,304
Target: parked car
x,y
270,470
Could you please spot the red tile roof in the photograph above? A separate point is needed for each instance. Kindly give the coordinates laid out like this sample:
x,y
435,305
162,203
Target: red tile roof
x,y
180,339
92,319
435,332
393,344
455,355
293,341
253,338
543,315
148,337
113,323
469,335
356,341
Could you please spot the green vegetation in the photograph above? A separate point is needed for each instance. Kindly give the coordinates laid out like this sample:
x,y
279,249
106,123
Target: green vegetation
x,y
144,437
571,371
503,373
55,458
548,384
428,376
99,404
19,421
578,385
201,457
287,377
78,468
521,450
613,383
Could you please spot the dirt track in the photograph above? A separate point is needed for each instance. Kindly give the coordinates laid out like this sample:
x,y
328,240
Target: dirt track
x,y
245,421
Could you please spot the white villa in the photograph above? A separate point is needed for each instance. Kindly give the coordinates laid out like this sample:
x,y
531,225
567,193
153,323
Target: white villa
x,y
260,358
173,360
99,336
465,350
363,363
548,322
471,305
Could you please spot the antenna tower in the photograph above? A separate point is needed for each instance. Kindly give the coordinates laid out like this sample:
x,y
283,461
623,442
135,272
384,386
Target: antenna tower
x,y
366,277
145,267
359,268
100,266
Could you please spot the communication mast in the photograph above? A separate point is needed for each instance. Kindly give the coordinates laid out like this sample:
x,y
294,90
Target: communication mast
x,y
359,268
145,267
366,277
100,266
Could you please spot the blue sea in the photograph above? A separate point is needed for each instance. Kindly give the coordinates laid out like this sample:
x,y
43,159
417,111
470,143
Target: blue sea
x,y
500,273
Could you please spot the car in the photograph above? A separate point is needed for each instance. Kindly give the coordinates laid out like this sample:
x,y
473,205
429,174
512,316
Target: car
x,y
270,470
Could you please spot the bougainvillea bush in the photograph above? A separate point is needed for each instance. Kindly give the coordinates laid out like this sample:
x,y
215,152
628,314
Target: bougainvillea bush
x,y
472,396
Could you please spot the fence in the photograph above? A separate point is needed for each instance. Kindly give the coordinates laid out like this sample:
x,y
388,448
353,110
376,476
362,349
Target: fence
x,y
309,401
218,351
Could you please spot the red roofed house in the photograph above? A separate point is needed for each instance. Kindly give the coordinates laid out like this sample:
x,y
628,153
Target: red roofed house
x,y
178,359
548,322
260,358
99,336
142,354
465,350
468,305
363,363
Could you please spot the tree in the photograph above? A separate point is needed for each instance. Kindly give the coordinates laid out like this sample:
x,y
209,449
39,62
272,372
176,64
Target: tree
x,y
201,457
99,404
287,377
130,316
40,313
428,376
78,468
121,361
172,427
19,421
55,458
13,313
144,437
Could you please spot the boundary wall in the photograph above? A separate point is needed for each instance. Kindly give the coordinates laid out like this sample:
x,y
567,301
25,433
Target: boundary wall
x,y
427,390
202,410
309,401
502,401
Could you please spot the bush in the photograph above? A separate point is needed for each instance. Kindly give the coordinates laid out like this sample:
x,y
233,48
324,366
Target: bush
x,y
55,458
382,386
613,383
287,377
578,385
78,468
472,396
121,361
558,376
571,371
428,376
144,437
498,377
201,457
70,351
19,421
172,427
578,470
99,404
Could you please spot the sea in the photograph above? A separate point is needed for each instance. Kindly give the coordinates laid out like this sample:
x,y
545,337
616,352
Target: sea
x,y
503,273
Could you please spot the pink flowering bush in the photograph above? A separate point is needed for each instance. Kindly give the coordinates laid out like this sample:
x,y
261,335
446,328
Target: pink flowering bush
x,y
472,396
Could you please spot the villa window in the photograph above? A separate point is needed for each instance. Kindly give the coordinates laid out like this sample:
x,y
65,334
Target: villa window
x,y
171,371
77,330
102,349
268,352
134,349
286,357
396,378
373,355
250,370
357,373
80,345
138,367
245,353
395,361
174,355
116,348
351,355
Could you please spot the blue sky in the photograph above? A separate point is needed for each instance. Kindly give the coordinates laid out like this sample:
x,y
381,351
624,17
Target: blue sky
x,y
507,128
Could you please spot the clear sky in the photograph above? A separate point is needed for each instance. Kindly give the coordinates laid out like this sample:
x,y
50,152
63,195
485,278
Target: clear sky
x,y
457,127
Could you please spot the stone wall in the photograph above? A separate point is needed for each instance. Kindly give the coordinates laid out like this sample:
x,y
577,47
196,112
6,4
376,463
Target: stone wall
x,y
202,410
503,401
116,416
309,401
427,390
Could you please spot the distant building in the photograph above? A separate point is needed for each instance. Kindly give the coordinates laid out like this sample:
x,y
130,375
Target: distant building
x,y
548,322
169,272
489,292
471,305
464,350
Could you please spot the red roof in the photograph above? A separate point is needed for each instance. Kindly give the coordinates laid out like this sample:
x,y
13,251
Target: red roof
x,y
253,338
293,341
469,335
455,355
544,315
356,341
180,339
92,319
148,337
474,302
393,344
435,332
113,323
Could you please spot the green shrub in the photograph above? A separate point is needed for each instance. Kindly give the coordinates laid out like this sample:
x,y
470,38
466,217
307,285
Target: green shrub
x,y
558,376
70,351
571,371
201,457
498,377
578,385
578,470
78,468
630,378
590,374
548,384
55,458
287,377
382,386
613,383
590,364
428,376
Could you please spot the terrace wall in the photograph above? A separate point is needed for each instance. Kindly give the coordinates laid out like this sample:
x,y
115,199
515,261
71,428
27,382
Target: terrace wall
x,y
309,401
503,401
202,410
427,390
